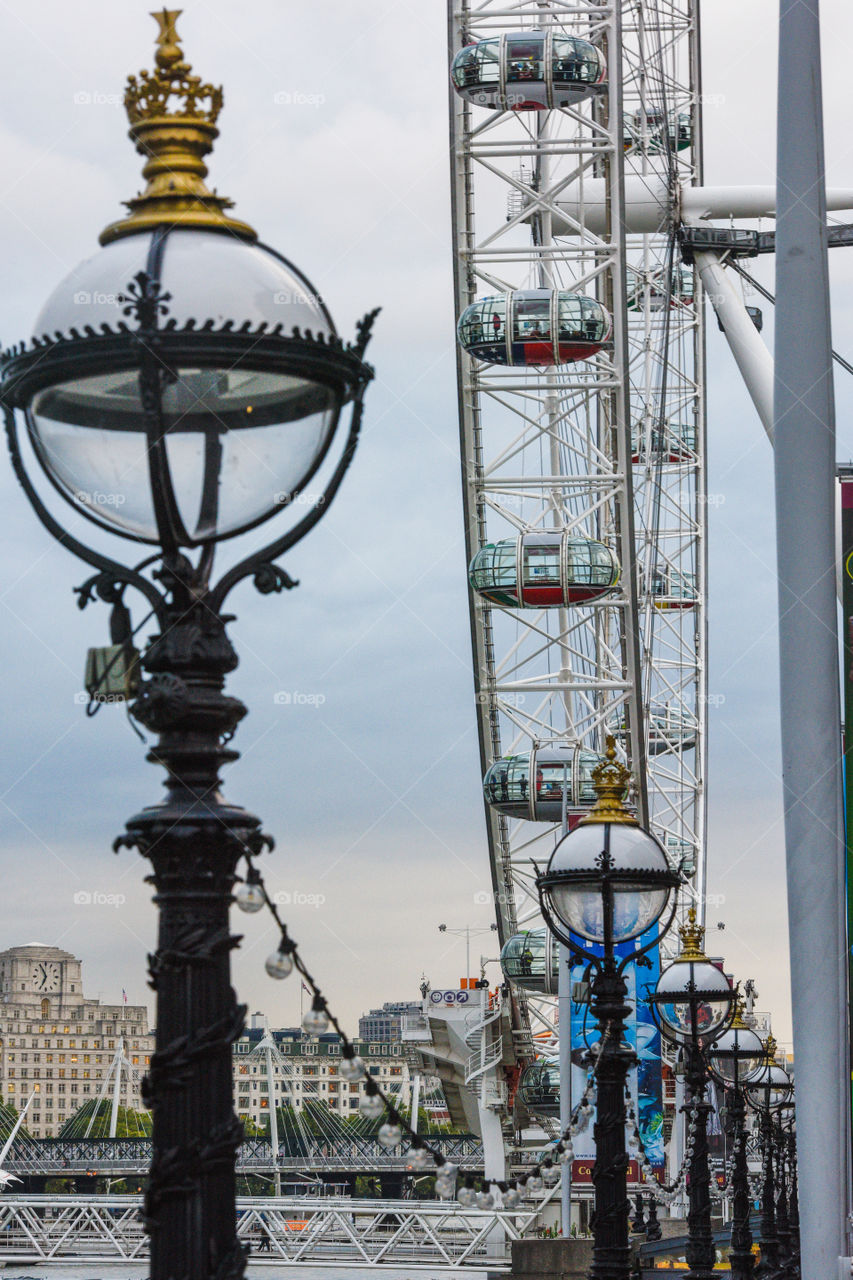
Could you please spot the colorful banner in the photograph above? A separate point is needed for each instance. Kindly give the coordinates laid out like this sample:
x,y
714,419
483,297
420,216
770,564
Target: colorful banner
x,y
646,1082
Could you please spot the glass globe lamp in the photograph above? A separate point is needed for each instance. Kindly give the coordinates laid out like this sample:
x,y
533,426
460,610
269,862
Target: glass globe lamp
x,y
693,998
769,1086
608,881
184,382
738,1051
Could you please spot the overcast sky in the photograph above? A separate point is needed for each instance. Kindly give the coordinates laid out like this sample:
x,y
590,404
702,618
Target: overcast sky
x,y
334,146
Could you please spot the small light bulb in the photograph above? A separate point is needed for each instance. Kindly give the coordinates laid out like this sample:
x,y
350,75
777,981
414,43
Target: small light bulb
x,y
390,1135
534,1182
466,1197
315,1021
249,897
371,1106
279,964
418,1158
511,1198
485,1200
351,1068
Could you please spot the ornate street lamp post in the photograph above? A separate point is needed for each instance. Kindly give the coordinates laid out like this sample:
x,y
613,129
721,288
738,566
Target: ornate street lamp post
x,y
768,1088
608,882
185,384
788,1122
733,1055
693,1003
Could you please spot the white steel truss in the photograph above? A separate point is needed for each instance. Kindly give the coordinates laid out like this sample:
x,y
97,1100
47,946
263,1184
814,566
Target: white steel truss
x,y
281,1231
611,448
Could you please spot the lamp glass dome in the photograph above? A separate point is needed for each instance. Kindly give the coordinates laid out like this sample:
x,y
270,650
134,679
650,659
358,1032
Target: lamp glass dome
x,y
737,1053
769,1086
693,992
240,438
579,902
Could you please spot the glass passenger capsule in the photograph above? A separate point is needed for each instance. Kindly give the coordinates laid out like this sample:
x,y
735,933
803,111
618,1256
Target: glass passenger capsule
x,y
546,327
672,589
543,571
528,71
670,730
531,785
530,959
674,131
681,854
680,294
673,442
539,1088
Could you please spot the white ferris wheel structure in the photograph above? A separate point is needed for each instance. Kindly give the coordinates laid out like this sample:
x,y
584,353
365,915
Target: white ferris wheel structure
x,y
588,252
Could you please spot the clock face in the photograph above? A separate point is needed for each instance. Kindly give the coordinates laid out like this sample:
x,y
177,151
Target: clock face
x,y
46,976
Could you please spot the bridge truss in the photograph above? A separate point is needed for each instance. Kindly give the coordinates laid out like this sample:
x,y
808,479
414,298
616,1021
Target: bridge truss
x,y
288,1231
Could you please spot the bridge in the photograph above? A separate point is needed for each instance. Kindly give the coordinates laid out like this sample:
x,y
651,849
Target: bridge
x,y
34,1159
281,1231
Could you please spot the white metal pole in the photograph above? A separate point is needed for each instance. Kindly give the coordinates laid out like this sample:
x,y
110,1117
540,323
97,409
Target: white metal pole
x,y
20,1120
752,357
804,424
117,1060
416,1102
271,1099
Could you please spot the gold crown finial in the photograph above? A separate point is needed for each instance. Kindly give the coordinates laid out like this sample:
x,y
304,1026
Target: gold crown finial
x,y
610,779
168,45
173,124
692,936
770,1047
738,1022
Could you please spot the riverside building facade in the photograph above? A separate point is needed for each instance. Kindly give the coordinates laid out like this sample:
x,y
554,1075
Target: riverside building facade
x,y
57,1044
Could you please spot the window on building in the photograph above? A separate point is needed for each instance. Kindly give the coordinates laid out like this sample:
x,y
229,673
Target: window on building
x,y
45,1008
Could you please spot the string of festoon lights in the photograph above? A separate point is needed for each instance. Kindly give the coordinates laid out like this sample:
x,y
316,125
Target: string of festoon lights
x,y
251,896
664,1192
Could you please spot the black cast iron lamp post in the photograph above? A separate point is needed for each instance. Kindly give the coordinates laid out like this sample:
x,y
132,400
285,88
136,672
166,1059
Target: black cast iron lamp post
x,y
693,1002
185,385
768,1088
736,1053
608,882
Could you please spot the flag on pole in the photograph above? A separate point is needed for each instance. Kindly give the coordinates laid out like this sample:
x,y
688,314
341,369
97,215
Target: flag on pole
x,y
124,995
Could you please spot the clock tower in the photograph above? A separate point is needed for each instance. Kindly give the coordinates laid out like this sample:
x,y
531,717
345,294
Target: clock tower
x,y
33,973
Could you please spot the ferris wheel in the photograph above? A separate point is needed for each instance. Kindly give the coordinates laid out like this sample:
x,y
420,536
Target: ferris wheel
x,y
574,129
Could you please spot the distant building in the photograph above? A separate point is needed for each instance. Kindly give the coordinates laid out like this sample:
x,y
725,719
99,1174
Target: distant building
x,y
307,1069
59,1042
386,1023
